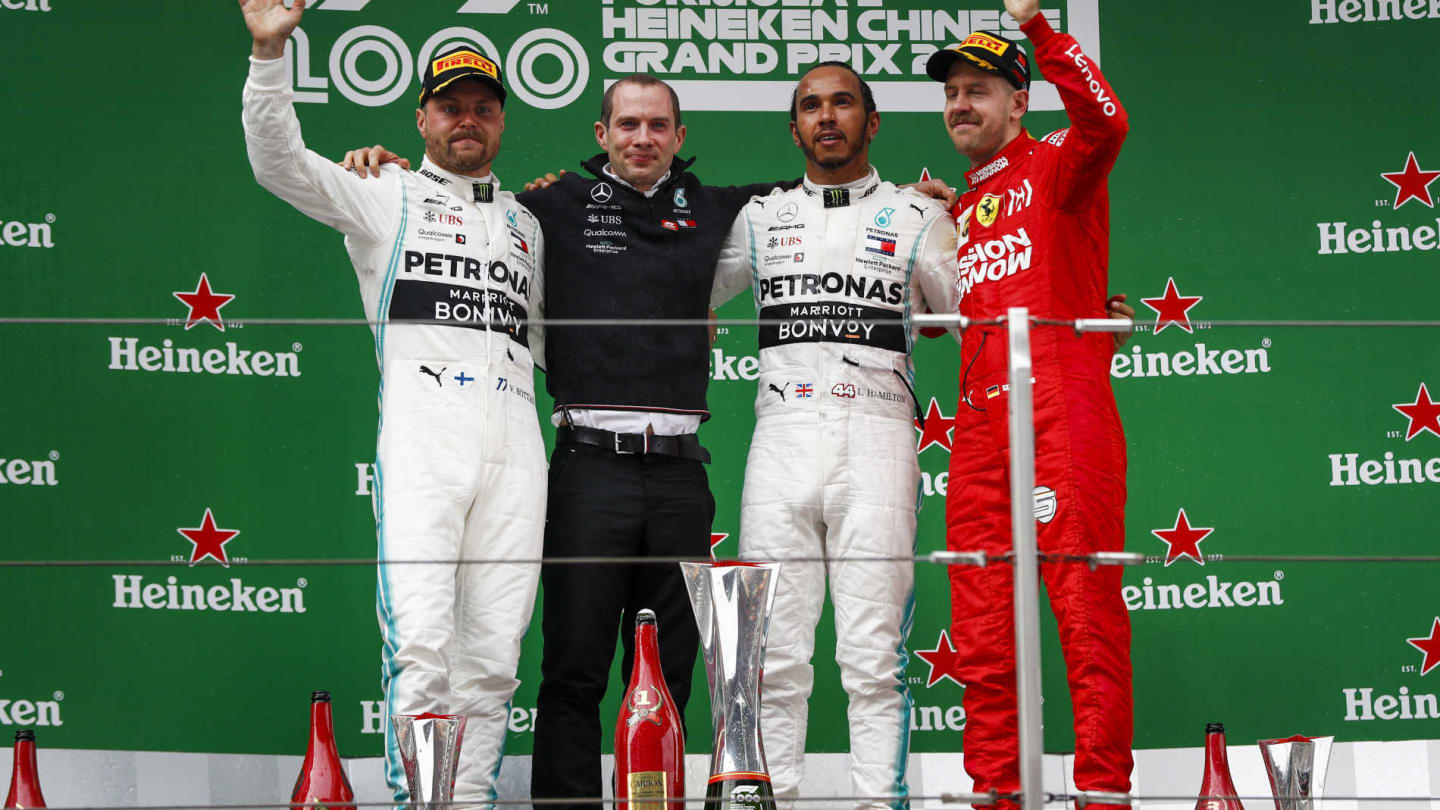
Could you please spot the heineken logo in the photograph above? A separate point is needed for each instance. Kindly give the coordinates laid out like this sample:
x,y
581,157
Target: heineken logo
x,y
1363,232
1422,415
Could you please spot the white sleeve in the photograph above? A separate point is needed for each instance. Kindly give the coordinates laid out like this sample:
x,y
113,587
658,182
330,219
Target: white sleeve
x,y
363,209
536,311
733,271
935,269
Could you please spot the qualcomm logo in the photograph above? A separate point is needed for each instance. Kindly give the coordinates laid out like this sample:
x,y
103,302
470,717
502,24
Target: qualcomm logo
x,y
537,52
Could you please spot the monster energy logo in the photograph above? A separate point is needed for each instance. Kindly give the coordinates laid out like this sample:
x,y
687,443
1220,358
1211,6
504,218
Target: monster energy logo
x,y
837,197
484,192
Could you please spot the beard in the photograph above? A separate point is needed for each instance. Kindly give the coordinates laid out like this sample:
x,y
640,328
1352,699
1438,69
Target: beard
x,y
834,161
447,157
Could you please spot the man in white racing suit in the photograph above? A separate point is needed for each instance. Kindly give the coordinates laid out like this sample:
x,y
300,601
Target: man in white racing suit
x,y
460,465
832,470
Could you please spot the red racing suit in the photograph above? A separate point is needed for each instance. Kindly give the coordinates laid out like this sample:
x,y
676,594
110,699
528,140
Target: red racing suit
x,y
1033,231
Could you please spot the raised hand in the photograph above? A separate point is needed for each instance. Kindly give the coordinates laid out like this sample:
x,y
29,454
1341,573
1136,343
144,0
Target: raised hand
x,y
1022,10
270,24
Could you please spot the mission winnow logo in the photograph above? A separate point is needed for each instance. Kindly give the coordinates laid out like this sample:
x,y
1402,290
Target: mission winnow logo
x,y
203,305
207,541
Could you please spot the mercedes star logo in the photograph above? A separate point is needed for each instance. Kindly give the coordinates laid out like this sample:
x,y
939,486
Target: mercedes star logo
x,y
601,193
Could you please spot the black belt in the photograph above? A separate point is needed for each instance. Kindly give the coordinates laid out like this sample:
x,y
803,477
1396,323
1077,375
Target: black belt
x,y
686,445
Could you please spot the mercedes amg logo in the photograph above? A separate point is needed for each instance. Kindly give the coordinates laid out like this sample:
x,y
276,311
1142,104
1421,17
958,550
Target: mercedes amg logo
x,y
601,192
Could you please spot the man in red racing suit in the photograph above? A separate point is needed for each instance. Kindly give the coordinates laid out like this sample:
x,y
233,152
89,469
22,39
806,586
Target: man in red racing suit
x,y
1033,231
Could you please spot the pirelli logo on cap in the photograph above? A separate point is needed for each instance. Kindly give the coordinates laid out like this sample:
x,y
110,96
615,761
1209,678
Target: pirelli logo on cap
x,y
989,43
465,59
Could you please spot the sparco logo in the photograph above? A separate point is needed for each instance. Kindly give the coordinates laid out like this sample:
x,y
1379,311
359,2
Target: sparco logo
x,y
717,48
1409,184
533,59
34,473
27,234
1353,11
1422,416
32,712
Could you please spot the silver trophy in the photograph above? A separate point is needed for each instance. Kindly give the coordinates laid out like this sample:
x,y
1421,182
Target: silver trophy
x,y
430,749
1296,767
732,603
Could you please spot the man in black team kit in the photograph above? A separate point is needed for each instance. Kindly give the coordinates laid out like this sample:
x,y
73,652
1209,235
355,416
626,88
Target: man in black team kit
x,y
639,238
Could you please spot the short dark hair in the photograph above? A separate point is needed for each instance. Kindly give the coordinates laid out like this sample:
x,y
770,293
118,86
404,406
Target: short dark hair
x,y
866,95
607,104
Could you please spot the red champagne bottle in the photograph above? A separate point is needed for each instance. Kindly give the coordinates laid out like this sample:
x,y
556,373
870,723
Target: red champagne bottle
x,y
322,781
649,741
1216,785
25,780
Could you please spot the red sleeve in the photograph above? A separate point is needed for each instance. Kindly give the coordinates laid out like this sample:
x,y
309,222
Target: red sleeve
x,y
1098,122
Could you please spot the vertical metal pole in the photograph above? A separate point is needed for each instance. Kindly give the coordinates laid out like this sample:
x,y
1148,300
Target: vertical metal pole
x,y
1027,567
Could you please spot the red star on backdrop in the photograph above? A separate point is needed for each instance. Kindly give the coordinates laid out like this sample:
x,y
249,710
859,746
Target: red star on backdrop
x,y
1183,540
204,305
1423,414
924,174
716,538
208,540
1412,183
939,428
944,661
1430,645
1172,308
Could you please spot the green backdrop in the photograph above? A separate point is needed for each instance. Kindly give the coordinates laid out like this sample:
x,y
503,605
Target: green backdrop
x,y
1254,177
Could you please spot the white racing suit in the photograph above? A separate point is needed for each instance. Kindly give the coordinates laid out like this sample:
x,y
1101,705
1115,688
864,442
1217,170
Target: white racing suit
x,y
460,466
832,469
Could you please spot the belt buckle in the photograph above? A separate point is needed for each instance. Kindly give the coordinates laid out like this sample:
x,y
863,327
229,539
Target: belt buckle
x,y
621,451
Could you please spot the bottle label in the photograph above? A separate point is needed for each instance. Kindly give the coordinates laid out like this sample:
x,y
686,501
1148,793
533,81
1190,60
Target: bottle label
x,y
647,790
645,704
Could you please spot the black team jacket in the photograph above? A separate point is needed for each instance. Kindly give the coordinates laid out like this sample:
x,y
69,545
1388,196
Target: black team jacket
x,y
612,253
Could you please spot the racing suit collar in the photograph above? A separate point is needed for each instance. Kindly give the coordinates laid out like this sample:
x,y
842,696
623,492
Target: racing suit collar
x,y
841,195
471,188
1006,158
871,178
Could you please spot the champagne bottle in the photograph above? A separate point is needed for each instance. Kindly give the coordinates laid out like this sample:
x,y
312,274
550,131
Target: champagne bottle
x,y
649,741
1217,791
25,780
322,781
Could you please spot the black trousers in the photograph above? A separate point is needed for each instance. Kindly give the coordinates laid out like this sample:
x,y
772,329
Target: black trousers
x,y
606,505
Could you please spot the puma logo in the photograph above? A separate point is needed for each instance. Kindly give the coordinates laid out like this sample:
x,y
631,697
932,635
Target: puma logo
x,y
435,374
780,392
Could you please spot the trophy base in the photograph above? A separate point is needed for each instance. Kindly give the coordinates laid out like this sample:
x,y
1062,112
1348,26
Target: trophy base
x,y
739,792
